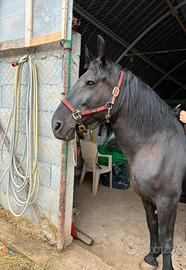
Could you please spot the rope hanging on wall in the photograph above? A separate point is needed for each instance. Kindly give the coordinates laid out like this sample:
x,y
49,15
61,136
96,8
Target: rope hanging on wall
x,y
23,183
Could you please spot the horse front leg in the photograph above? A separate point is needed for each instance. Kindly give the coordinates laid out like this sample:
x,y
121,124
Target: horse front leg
x,y
152,222
166,219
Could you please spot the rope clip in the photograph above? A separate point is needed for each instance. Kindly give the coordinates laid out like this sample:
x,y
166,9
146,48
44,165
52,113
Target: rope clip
x,y
109,107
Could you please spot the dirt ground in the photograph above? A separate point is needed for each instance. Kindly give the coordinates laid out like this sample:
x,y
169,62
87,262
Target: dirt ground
x,y
16,262
34,254
115,219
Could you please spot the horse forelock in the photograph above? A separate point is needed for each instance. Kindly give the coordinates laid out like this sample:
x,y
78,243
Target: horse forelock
x,y
100,69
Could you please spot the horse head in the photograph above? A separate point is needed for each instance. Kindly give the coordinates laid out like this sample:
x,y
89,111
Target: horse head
x,y
89,101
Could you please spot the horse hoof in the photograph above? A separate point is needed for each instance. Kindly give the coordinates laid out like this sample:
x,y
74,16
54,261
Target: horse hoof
x,y
145,266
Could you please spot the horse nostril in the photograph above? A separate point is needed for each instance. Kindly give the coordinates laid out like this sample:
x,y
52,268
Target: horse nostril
x,y
57,126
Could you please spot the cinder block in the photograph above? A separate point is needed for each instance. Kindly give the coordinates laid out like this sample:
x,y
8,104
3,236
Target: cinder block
x,y
0,96
74,70
48,199
49,71
3,200
48,50
44,124
7,74
7,96
54,201
3,184
49,97
49,150
9,56
4,117
44,174
55,177
3,167
43,198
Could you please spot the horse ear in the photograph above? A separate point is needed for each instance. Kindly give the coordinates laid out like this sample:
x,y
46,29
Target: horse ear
x,y
87,58
101,48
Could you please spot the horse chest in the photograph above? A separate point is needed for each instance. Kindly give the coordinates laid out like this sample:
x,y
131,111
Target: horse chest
x,y
140,189
145,175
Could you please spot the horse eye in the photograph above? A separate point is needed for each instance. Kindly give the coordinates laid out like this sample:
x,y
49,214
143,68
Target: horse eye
x,y
90,83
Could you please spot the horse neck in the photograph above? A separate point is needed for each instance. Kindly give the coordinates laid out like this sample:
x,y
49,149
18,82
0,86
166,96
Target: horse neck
x,y
139,114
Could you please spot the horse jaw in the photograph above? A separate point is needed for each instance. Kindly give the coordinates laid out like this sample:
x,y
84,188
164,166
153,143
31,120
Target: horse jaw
x,y
145,266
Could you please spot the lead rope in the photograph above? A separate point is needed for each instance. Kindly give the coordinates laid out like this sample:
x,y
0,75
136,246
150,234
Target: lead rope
x,y
74,150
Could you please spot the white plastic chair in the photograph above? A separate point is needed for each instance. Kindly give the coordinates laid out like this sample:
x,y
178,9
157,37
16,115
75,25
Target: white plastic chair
x,y
90,156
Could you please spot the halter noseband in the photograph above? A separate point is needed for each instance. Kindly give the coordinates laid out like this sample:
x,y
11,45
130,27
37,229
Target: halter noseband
x,y
77,115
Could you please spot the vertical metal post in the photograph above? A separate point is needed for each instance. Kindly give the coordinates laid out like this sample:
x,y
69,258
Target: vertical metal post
x,y
67,44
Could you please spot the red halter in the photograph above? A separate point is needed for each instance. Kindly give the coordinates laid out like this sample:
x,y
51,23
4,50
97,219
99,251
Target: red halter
x,y
77,115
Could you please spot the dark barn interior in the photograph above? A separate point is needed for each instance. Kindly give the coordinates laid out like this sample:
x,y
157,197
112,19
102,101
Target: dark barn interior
x,y
147,37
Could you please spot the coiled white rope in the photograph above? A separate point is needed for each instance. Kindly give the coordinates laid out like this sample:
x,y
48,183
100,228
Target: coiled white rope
x,y
22,187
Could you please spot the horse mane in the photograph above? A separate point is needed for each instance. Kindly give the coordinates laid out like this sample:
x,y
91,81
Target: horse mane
x,y
144,109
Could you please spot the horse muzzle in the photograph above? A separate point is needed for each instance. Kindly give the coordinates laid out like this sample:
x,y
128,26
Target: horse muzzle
x,y
64,136
63,130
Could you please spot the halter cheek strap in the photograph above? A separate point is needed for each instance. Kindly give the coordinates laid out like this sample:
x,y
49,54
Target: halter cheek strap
x,y
77,115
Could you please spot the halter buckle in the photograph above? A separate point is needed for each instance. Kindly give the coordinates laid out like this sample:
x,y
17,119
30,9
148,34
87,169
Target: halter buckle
x,y
82,128
76,115
115,91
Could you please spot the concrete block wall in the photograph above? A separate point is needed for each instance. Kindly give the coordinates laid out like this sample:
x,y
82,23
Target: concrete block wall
x,y
49,61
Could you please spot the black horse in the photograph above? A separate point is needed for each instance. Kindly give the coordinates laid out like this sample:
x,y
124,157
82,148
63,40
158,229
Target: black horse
x,y
146,130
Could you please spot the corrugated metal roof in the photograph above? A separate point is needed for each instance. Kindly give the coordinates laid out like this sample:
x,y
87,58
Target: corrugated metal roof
x,y
156,54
